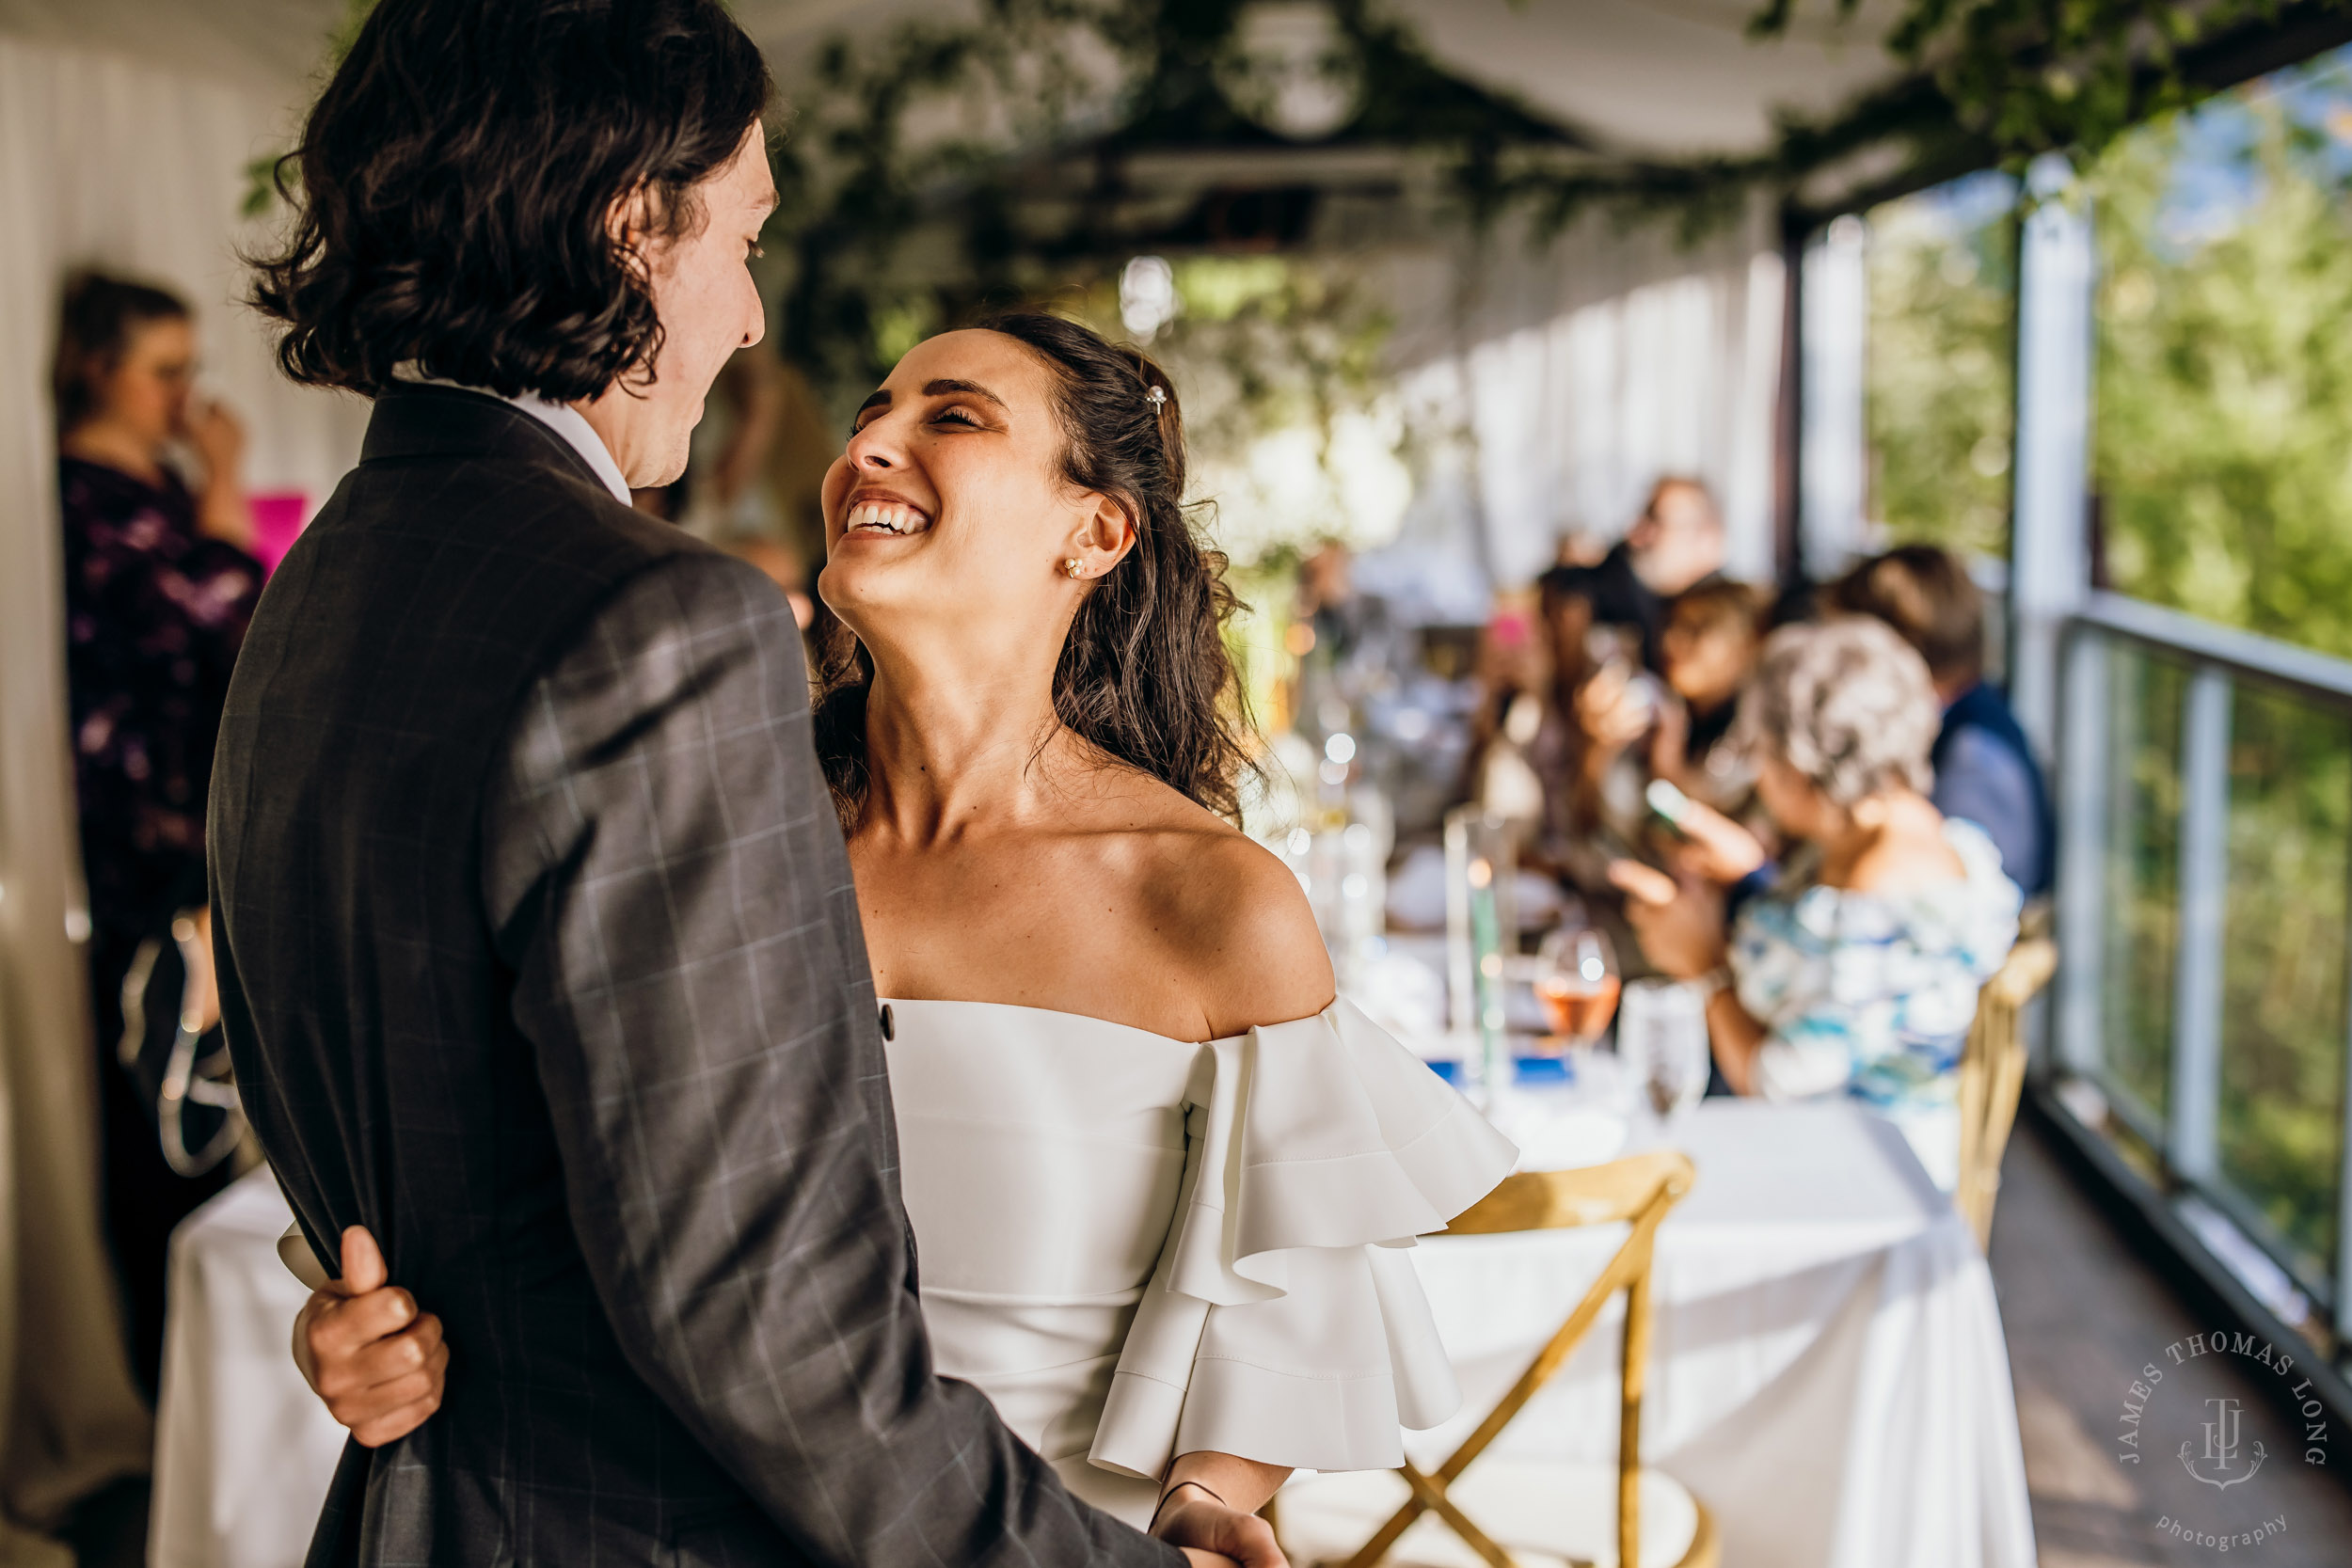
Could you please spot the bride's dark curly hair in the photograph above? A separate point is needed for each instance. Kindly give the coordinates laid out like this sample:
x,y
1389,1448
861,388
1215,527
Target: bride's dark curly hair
x,y
1145,677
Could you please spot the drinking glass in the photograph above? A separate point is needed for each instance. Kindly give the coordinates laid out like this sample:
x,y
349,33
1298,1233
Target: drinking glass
x,y
1576,980
1662,1042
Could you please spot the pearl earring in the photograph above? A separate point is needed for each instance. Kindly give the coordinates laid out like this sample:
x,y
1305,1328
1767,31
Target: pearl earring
x,y
1072,567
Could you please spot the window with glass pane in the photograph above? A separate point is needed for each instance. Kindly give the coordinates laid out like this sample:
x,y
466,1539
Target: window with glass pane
x,y
2283,946
2224,381
1941,371
2146,696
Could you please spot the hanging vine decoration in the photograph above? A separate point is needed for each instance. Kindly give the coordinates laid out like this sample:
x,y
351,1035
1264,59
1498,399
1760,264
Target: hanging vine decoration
x,y
1992,82
910,157
857,182
889,232
2034,77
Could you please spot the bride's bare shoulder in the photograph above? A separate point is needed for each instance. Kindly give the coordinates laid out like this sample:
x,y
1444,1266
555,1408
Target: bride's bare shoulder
x,y
1236,923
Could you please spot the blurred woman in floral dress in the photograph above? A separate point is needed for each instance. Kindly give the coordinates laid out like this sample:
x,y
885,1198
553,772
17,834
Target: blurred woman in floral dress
x,y
159,584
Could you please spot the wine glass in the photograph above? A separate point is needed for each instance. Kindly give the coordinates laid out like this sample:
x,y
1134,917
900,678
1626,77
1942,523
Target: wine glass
x,y
1576,980
1662,1042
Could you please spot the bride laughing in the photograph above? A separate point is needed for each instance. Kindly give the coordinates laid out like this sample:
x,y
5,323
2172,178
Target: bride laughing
x,y
1159,1176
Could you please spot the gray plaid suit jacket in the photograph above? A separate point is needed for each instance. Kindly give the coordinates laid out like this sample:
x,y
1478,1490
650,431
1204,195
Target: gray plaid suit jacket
x,y
539,957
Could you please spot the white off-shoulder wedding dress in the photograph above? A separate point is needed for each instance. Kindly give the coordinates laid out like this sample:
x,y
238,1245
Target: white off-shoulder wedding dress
x,y
1138,1247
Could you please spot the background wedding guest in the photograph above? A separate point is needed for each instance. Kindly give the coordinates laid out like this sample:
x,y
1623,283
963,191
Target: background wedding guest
x,y
1673,547
158,588
1514,676
1618,709
1712,633
1676,543
1565,597
1354,645
1985,771
1859,972
1525,737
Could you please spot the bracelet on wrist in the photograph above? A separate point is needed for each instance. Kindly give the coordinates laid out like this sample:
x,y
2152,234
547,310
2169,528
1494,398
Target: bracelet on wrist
x,y
1172,1491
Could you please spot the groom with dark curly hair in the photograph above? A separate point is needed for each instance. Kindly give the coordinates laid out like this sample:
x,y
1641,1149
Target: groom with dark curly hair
x,y
539,952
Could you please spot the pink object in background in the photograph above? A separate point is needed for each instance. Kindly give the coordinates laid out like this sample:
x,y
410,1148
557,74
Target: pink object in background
x,y
277,519
1511,629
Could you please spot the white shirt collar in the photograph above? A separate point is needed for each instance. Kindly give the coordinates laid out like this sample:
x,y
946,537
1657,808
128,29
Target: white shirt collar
x,y
562,418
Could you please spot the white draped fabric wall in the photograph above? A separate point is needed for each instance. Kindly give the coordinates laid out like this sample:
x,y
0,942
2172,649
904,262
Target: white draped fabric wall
x,y
131,167
1579,374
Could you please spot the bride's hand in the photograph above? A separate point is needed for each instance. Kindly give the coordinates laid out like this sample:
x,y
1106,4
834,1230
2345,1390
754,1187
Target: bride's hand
x,y
378,1364
1215,1536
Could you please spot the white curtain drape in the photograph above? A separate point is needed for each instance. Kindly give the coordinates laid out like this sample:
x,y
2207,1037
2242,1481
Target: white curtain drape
x,y
1578,373
134,168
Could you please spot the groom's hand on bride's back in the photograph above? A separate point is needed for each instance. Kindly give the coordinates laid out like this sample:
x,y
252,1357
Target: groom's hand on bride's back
x,y
377,1362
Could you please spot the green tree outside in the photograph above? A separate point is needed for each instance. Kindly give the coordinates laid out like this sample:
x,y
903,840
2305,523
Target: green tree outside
x,y
2222,463
2222,460
2223,425
1940,369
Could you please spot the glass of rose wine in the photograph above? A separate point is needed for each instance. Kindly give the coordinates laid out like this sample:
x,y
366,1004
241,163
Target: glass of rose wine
x,y
1576,980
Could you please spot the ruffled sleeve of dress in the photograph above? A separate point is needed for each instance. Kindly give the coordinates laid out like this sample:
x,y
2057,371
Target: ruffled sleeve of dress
x,y
1284,1323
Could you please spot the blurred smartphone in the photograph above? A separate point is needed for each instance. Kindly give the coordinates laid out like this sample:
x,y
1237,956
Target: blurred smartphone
x,y
1667,805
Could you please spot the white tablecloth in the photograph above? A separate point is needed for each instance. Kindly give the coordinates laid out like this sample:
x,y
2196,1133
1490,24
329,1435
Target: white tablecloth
x,y
243,1453
1828,1373
1828,1376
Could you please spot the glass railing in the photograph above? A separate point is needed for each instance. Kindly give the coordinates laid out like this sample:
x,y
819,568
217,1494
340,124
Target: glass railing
x,y
2204,888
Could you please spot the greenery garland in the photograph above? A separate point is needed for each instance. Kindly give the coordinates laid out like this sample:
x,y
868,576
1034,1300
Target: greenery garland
x,y
890,229
859,187
2036,76
1991,82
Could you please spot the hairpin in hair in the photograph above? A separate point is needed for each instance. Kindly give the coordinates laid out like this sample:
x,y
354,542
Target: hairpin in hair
x,y
1158,398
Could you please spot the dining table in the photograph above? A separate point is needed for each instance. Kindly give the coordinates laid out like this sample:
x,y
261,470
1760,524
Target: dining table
x,y
1829,1376
244,1452
1828,1373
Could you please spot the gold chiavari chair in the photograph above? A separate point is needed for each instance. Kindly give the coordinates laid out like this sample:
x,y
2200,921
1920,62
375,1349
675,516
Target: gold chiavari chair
x,y
1556,1511
1991,1076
